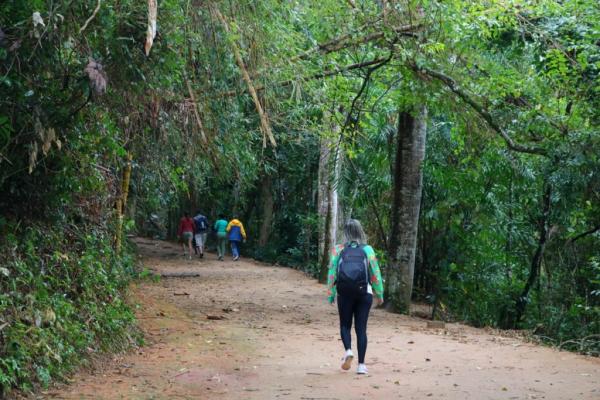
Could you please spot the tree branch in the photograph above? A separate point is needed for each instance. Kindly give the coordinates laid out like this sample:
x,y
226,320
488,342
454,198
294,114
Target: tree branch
x,y
91,17
478,108
347,40
583,234
371,201
320,75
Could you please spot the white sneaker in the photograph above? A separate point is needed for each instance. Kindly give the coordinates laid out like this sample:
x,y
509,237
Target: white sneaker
x,y
362,369
347,360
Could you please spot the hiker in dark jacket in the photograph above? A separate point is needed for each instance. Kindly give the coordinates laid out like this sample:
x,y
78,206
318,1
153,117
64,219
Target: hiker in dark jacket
x,y
201,233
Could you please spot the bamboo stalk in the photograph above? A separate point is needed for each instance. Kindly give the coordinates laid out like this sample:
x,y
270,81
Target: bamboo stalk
x,y
264,118
122,203
126,179
196,112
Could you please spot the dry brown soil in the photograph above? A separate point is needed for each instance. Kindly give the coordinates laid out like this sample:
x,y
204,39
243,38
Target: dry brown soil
x,y
279,339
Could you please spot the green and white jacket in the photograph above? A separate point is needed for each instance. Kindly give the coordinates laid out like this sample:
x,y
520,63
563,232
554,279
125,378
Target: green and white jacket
x,y
375,273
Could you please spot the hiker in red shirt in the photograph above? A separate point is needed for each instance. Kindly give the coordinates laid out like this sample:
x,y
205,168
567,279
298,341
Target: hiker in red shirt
x,y
185,233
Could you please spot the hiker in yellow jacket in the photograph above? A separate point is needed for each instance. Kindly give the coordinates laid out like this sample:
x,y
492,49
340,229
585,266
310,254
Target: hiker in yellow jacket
x,y
236,233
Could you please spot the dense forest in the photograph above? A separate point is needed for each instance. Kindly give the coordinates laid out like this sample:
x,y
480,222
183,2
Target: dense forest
x,y
463,134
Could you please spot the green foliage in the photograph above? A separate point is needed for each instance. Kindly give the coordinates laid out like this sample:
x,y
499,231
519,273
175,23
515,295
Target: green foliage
x,y
62,300
479,231
528,70
529,67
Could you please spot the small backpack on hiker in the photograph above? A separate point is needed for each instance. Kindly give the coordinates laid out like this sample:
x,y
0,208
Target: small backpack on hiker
x,y
352,271
201,223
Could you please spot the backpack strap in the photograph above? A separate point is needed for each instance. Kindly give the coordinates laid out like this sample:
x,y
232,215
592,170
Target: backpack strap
x,y
341,256
340,260
367,272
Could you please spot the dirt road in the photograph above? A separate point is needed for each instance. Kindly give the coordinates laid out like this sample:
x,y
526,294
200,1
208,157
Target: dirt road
x,y
278,339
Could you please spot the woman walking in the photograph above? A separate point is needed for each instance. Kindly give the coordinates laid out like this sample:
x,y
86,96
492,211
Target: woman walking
x,y
236,232
355,277
185,232
221,230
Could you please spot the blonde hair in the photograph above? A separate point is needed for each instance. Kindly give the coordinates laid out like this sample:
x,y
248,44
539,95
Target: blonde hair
x,y
353,232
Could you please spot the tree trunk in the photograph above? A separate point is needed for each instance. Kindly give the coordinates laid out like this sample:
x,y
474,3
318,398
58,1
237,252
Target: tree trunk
x,y
327,244
195,106
236,191
407,188
328,204
337,212
536,261
323,193
508,248
122,203
268,204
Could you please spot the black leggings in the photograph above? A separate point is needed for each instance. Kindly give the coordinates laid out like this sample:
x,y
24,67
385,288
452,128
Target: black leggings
x,y
357,307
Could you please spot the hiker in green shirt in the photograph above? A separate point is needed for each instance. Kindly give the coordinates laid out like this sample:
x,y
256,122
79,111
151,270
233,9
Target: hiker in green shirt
x,y
221,229
355,278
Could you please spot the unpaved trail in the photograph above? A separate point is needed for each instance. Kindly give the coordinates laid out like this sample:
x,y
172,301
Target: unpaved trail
x,y
279,340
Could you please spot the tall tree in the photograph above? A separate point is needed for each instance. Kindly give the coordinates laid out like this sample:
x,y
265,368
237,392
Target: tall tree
x,y
268,205
327,196
536,261
407,187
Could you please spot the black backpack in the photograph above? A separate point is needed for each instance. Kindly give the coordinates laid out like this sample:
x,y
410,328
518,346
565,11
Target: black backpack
x,y
352,271
201,223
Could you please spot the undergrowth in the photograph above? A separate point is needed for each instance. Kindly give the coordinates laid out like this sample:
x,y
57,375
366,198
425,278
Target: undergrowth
x,y
61,301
